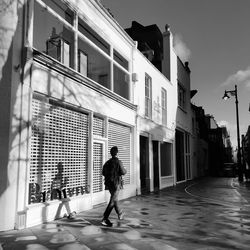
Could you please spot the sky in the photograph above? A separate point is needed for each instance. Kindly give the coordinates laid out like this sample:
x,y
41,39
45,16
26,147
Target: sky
x,y
214,37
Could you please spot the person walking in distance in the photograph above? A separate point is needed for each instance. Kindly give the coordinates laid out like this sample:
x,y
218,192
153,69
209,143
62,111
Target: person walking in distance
x,y
112,171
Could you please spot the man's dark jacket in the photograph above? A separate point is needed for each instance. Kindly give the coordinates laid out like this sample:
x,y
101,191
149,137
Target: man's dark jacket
x,y
112,171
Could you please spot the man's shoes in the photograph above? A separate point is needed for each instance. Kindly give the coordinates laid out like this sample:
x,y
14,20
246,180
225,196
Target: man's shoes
x,y
121,216
72,215
107,223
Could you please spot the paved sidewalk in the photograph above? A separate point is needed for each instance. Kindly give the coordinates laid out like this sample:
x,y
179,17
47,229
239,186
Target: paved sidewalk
x,y
168,220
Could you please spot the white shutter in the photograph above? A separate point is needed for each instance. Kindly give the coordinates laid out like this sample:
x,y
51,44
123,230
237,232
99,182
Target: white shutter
x,y
97,168
59,135
98,126
120,136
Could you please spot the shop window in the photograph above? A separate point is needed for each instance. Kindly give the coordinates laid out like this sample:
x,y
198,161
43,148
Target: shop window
x,y
52,37
148,96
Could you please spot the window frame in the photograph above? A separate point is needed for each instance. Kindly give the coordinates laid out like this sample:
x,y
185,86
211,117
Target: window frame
x,y
73,27
164,105
148,98
181,96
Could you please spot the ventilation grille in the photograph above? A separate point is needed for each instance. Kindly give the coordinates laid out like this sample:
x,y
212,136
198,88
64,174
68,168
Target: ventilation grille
x,y
120,136
97,169
59,150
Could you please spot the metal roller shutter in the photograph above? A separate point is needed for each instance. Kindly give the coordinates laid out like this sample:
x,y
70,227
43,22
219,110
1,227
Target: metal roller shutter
x,y
120,136
98,126
59,151
97,169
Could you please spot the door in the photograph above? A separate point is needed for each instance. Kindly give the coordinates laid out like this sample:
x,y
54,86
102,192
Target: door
x,y
98,184
180,164
187,153
156,164
144,164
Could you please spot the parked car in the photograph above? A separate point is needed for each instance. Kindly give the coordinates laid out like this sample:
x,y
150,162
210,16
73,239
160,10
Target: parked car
x,y
229,169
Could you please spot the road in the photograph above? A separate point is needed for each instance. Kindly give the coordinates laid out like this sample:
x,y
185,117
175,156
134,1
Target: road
x,y
211,214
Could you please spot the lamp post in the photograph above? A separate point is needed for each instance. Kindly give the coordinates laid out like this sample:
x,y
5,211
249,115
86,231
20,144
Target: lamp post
x,y
225,97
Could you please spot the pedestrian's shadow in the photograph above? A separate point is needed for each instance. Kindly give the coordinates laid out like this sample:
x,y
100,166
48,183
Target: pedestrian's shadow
x,y
59,191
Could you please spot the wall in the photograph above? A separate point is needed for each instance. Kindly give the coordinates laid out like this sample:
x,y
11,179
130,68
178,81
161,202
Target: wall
x,y
153,127
12,157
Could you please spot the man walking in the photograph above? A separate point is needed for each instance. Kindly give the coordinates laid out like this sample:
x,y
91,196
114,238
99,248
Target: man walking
x,y
113,171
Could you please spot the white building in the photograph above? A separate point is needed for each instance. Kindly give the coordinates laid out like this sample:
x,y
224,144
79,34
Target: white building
x,y
68,98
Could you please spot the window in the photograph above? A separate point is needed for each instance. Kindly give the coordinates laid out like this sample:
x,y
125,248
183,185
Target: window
x,y
52,37
93,36
121,60
65,51
61,9
148,96
82,63
121,82
93,64
181,96
164,106
121,78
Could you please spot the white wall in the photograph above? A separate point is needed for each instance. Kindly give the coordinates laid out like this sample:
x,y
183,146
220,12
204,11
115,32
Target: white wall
x,y
142,66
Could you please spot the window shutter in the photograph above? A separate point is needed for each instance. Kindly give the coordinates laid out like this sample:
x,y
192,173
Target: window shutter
x,y
59,136
120,136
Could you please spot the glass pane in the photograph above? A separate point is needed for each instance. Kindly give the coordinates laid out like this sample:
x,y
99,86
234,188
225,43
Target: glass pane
x,y
121,82
146,107
52,37
146,90
65,48
92,36
61,9
98,67
82,63
121,60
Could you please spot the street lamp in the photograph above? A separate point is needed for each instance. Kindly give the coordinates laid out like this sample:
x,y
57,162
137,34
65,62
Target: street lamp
x,y
225,97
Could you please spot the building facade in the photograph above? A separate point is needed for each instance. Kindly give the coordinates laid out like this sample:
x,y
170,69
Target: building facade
x,y
68,99
156,100
74,84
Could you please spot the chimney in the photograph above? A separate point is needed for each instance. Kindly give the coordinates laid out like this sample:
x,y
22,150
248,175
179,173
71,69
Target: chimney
x,y
167,45
187,67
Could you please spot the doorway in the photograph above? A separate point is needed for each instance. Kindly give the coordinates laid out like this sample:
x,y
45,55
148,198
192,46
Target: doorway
x,y
180,164
156,165
98,161
144,163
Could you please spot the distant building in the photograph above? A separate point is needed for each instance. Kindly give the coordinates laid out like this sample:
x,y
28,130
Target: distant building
x,y
220,149
200,136
246,153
